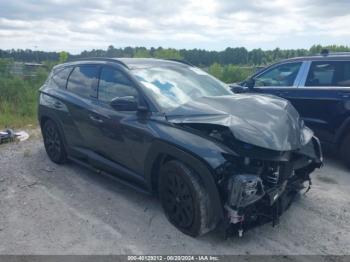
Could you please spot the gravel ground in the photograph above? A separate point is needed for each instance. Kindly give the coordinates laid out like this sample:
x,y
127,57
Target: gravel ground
x,y
50,209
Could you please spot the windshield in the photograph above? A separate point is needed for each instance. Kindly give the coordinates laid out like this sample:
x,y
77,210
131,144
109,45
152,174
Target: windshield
x,y
173,86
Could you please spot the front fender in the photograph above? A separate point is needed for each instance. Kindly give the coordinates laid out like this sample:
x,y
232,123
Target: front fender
x,y
200,166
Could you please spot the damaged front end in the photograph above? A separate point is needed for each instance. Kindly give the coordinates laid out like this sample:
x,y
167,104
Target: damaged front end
x,y
271,153
256,191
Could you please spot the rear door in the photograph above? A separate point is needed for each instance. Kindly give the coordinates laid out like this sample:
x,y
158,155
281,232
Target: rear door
x,y
55,98
323,98
81,94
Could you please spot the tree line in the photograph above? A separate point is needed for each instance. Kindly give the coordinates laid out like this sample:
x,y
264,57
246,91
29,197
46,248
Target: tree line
x,y
18,94
199,57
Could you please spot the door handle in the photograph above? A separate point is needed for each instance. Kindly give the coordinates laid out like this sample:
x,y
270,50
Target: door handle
x,y
96,119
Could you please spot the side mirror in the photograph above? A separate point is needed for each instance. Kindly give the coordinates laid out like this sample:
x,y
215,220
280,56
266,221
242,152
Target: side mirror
x,y
236,88
124,103
250,83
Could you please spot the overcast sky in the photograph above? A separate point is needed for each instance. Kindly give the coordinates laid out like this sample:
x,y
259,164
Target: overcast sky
x,y
75,25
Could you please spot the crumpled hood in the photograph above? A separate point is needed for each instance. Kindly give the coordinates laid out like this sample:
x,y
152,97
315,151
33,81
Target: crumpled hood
x,y
261,120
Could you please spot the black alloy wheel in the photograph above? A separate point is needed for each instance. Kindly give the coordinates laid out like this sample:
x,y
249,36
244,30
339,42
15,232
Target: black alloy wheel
x,y
185,201
53,142
178,200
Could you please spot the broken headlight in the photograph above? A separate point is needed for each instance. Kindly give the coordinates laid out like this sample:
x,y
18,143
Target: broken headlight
x,y
244,190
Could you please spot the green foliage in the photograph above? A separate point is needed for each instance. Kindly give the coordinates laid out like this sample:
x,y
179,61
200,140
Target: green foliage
x,y
233,73
63,57
230,73
142,53
18,97
167,53
216,70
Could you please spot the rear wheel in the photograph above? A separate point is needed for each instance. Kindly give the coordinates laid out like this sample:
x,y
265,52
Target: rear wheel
x,y
53,142
345,150
184,199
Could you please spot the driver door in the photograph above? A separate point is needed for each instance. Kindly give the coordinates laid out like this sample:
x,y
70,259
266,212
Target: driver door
x,y
281,80
114,127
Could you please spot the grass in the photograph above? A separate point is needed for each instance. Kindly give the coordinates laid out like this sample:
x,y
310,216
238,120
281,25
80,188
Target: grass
x,y
18,99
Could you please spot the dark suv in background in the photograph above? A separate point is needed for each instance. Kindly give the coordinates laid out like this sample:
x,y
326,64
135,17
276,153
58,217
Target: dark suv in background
x,y
169,128
318,87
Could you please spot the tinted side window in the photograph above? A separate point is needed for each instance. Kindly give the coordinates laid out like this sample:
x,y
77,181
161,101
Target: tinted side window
x,y
59,77
83,79
320,74
345,80
114,83
282,75
331,73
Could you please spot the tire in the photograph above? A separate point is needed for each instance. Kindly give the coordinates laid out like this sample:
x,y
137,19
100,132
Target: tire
x,y
53,142
345,150
185,201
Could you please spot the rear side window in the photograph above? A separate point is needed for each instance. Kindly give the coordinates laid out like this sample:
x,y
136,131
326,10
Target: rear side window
x,y
331,73
114,83
59,77
83,80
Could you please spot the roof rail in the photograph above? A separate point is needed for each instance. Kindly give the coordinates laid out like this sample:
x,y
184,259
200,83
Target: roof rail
x,y
115,60
180,61
325,52
339,53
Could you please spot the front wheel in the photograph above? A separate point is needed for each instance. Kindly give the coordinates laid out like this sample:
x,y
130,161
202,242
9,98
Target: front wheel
x,y
185,201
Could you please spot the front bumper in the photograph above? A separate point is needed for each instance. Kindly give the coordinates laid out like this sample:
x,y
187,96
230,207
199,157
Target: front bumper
x,y
261,196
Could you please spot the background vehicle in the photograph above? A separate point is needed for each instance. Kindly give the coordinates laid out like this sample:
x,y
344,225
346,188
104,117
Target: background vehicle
x,y
169,128
318,87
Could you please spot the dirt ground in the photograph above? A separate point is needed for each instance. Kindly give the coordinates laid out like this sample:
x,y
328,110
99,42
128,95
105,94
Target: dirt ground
x,y
50,209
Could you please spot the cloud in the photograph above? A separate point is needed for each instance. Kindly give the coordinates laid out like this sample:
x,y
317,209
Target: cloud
x,y
75,25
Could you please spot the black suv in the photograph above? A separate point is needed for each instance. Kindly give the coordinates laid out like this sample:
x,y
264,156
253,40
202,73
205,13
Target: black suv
x,y
169,128
319,88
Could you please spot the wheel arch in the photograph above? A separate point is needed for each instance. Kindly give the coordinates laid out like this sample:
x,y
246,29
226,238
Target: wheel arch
x,y
45,116
161,152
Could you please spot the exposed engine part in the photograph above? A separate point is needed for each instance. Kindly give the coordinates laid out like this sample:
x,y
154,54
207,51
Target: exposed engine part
x,y
273,176
233,215
244,190
275,173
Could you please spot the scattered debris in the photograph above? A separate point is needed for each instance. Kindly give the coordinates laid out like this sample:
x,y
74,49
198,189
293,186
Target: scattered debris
x,y
8,135
22,135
